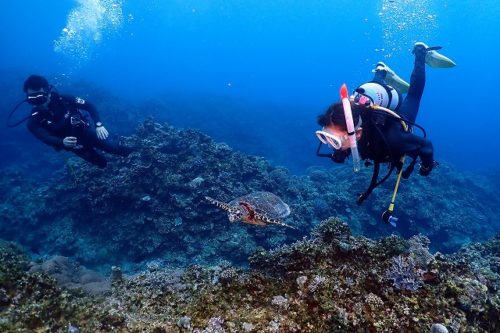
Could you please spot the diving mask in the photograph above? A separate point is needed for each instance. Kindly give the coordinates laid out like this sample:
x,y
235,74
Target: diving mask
x,y
328,138
37,98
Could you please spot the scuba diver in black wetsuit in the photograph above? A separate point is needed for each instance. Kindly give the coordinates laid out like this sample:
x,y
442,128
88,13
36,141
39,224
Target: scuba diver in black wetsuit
x,y
383,123
58,120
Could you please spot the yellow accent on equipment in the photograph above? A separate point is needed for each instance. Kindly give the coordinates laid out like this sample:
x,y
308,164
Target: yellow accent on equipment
x,y
407,129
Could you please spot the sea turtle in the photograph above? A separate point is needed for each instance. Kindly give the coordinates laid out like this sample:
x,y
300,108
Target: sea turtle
x,y
259,208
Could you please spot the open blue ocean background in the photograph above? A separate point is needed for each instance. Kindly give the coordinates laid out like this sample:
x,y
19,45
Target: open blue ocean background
x,y
255,74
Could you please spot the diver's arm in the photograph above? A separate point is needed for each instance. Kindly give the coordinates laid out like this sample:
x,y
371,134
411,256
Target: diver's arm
x,y
414,146
43,135
91,109
82,104
101,131
426,153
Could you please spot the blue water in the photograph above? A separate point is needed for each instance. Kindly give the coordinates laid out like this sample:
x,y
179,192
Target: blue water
x,y
274,65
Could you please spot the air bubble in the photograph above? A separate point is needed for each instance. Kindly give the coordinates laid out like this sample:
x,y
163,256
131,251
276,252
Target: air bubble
x,y
404,22
87,25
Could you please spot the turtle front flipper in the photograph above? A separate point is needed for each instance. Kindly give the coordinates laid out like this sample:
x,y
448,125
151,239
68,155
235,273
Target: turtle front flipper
x,y
220,204
234,213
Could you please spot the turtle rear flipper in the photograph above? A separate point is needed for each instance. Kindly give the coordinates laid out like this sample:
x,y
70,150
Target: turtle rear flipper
x,y
267,220
283,224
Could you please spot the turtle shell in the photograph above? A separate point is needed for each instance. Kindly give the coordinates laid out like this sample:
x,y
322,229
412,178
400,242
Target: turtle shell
x,y
263,204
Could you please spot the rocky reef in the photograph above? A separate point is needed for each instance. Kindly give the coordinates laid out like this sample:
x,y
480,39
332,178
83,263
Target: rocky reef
x,y
151,206
330,281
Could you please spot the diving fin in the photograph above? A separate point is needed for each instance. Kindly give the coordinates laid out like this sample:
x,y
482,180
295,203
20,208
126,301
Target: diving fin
x,y
434,48
391,78
435,59
387,217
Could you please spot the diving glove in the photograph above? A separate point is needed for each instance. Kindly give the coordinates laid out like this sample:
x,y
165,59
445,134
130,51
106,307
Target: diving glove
x,y
426,170
101,131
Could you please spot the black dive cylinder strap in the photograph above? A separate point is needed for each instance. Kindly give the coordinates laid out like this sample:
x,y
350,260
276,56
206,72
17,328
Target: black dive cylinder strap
x,y
19,122
373,182
406,173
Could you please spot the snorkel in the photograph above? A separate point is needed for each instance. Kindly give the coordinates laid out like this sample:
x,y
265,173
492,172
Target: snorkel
x,y
350,127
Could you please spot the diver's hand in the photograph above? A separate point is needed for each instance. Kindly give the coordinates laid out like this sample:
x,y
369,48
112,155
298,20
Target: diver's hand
x,y
426,170
70,142
101,131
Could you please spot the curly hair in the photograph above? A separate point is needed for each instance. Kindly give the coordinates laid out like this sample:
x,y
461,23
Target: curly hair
x,y
335,115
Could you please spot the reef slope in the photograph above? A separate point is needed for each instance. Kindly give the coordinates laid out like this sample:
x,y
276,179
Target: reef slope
x,y
328,282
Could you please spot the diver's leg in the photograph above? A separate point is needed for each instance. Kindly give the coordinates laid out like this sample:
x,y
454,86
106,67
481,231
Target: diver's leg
x,y
411,103
90,155
90,138
379,76
112,148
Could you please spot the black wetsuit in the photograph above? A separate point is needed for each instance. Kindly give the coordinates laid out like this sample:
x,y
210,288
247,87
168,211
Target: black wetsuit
x,y
384,139
63,118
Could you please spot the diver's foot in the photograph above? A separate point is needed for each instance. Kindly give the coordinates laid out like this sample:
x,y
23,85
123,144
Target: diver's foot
x,y
432,57
391,78
420,49
380,66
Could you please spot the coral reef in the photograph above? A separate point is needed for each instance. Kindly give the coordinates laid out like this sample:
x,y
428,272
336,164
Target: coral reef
x,y
449,207
72,276
151,204
148,205
330,281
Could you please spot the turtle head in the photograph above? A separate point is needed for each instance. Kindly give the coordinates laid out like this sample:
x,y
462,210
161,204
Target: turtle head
x,y
236,213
